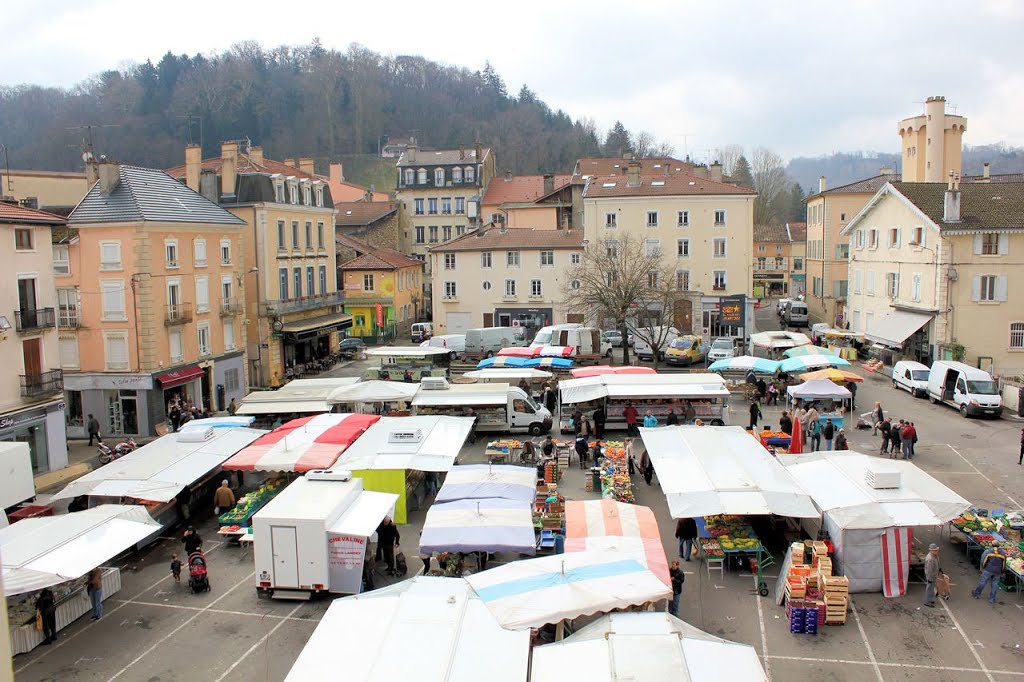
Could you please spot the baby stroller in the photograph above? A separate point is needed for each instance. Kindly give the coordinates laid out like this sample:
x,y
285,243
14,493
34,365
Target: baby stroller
x,y
198,581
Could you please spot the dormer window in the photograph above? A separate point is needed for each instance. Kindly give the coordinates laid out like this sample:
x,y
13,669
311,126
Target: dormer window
x,y
293,192
319,194
410,176
469,174
421,176
278,187
306,199
456,174
439,177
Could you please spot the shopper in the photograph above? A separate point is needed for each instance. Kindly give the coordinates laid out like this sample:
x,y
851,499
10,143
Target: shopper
x,y
812,416
176,568
548,446
814,431
223,498
550,399
577,421
650,421
175,417
95,589
686,534
762,388
690,415
773,394
191,540
877,417
676,574
841,442
828,433
387,541
755,414
671,419
909,437
895,438
630,415
993,561
94,430
786,424
581,449
232,407
46,604
646,467
885,428
931,574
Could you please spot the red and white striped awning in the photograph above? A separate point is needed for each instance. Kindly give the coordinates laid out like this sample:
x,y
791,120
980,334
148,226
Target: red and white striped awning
x,y
303,444
630,529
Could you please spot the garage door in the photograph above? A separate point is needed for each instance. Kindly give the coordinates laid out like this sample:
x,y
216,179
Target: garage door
x,y
458,323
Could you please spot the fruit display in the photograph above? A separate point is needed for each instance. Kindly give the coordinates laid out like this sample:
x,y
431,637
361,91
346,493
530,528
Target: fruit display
x,y
732,533
615,481
711,549
251,503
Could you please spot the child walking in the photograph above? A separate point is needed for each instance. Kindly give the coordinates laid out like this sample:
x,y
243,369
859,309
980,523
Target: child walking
x,y
176,568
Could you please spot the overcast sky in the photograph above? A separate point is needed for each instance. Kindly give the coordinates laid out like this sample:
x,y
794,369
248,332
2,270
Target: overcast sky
x,y
804,78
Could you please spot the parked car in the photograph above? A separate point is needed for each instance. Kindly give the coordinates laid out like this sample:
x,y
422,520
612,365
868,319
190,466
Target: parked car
x,y
421,331
642,342
613,337
351,347
722,348
911,376
684,350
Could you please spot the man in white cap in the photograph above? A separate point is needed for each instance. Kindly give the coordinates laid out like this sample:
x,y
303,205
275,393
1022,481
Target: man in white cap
x,y
931,574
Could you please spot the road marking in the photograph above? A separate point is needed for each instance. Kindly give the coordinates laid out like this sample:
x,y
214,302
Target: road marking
x,y
1016,504
257,644
956,624
222,612
180,627
764,637
885,664
867,645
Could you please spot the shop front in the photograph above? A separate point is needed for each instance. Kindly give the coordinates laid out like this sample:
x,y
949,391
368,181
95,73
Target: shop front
x,y
186,385
372,322
770,284
42,428
726,316
118,401
309,339
530,319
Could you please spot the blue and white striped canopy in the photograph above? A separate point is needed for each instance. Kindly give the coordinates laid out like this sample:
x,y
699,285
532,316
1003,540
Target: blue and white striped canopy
x,y
505,361
745,363
806,362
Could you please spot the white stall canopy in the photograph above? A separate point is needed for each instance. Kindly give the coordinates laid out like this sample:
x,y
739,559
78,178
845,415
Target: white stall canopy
x,y
642,386
301,396
707,470
860,491
373,392
645,646
425,628
466,395
819,389
406,352
49,550
507,374
424,443
778,340
158,471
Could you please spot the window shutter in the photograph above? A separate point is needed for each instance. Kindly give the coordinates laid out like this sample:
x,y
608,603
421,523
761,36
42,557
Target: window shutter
x,y
977,247
117,347
113,299
976,283
871,283
202,293
229,334
899,236
1004,244
924,236
200,250
175,345
69,352
1001,288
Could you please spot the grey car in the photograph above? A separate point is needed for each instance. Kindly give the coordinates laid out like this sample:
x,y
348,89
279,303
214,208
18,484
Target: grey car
x,y
613,337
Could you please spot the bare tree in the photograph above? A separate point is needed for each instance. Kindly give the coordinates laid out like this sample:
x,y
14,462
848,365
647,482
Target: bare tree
x,y
665,148
728,155
643,143
770,181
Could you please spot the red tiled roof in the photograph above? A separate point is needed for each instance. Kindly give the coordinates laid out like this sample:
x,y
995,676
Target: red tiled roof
x,y
373,258
357,213
521,189
514,238
617,166
797,231
676,184
12,213
771,233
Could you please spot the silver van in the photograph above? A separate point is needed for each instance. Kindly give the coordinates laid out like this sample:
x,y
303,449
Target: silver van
x,y
795,314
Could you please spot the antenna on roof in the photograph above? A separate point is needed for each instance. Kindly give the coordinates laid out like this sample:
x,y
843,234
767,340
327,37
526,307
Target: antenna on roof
x,y
86,144
686,138
189,119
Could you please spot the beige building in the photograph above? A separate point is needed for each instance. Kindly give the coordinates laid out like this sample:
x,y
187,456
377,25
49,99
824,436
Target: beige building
x,y
292,300
149,297
499,277
702,228
31,402
772,261
49,190
541,202
797,258
935,266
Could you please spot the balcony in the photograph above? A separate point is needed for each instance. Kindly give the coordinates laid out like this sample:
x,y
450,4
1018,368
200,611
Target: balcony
x,y
229,307
304,303
34,320
177,313
68,318
36,385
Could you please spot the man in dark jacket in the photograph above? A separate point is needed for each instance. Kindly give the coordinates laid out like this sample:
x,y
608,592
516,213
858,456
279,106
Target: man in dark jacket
x,y
686,533
676,575
672,418
599,420
47,605
387,540
786,424
191,540
755,414
885,428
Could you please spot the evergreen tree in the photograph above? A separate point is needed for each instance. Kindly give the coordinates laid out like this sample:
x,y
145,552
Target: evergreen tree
x,y
797,210
618,140
495,81
742,174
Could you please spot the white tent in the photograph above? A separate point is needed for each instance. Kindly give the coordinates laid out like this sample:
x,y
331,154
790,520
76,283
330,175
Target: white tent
x,y
373,392
48,550
300,396
431,629
645,646
642,386
479,481
159,470
722,470
506,374
535,592
424,443
819,389
857,515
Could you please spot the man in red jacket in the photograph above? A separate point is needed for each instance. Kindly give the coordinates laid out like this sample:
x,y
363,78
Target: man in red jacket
x,y
908,436
630,414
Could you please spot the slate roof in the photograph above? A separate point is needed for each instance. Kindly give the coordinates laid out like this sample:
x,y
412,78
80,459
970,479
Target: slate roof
x,y
359,213
148,194
771,233
444,157
982,206
677,184
13,213
865,186
520,189
513,238
797,231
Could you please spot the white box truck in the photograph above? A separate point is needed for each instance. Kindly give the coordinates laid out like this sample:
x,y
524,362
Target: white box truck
x,y
968,389
313,537
498,408
17,483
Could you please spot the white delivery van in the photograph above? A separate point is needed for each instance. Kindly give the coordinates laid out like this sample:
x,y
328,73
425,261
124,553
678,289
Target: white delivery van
x,y
795,314
421,331
587,341
456,343
498,407
969,389
911,376
487,341
17,483
313,536
548,336
642,341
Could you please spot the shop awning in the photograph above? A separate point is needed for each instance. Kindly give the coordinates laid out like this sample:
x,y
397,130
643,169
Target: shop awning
x,y
480,481
365,514
896,327
424,443
487,525
321,322
45,551
179,376
629,529
303,444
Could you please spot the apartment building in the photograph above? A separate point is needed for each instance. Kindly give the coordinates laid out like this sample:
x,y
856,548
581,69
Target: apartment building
x,y
292,300
372,222
31,399
148,302
772,261
702,228
439,195
937,266
383,289
797,258
499,276
542,202
53,191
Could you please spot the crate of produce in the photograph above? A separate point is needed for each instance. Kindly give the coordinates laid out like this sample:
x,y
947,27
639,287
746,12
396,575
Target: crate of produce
x,y
811,621
797,554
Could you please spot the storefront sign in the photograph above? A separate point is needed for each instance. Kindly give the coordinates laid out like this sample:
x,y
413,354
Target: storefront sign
x,y
731,312
405,436
92,382
345,555
12,420
768,275
354,286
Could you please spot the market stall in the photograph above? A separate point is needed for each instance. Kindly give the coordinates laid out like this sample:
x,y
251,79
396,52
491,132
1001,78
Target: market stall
x,y
645,646
393,454
481,481
627,529
982,529
535,592
744,364
535,378
157,473
601,370
375,395
301,396
58,552
810,362
302,444
408,363
616,483
868,505
774,344
216,423
235,522
728,537
831,395
479,525
439,626
836,376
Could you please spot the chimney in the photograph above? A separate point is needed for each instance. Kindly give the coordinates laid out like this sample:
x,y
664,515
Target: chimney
x,y
549,183
986,171
951,205
368,196
462,152
110,176
885,171
336,172
228,168
479,152
208,185
633,174
508,176
700,170
822,184
92,172
306,165
193,162
290,162
256,155
410,153
716,171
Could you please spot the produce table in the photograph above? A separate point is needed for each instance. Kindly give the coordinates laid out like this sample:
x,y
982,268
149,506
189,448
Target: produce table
x,y
615,481
727,536
981,533
777,439
241,514
503,451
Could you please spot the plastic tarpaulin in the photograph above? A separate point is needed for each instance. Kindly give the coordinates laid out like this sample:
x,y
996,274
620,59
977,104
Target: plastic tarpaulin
x,y
819,389
303,444
745,363
775,340
806,362
535,592
503,361
373,392
424,627
573,391
423,443
506,375
645,646
601,370
387,481
478,481
44,551
628,529
216,423
488,525
707,470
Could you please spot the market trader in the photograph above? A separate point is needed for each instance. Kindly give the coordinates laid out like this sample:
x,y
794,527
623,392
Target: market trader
x,y
993,561
387,540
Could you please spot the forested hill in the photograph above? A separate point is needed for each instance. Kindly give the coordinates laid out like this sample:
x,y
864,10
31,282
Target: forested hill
x,y
294,101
